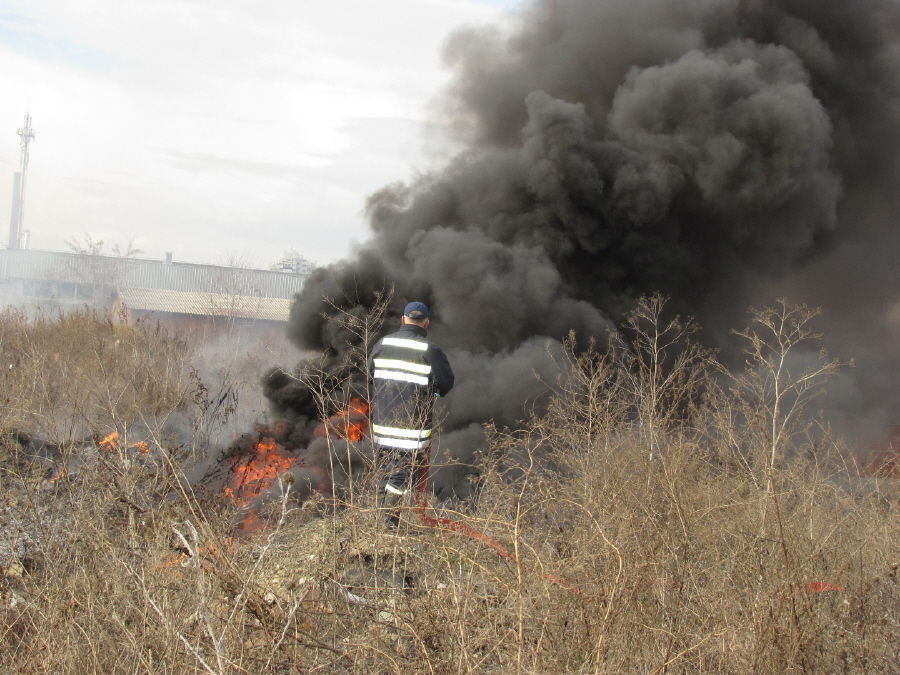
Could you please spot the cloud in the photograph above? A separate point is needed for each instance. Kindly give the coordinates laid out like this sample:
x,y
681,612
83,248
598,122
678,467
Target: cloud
x,y
201,162
293,113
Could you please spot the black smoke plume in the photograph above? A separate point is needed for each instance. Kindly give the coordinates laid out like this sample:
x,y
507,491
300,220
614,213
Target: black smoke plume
x,y
723,152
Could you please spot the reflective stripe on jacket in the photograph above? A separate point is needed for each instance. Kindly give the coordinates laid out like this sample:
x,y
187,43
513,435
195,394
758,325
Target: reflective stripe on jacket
x,y
407,371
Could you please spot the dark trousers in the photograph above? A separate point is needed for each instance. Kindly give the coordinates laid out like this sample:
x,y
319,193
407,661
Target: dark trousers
x,y
400,467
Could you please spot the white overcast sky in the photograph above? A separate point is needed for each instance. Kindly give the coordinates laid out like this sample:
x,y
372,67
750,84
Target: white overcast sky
x,y
222,131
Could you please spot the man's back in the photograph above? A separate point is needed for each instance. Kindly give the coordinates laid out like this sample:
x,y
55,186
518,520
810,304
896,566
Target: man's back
x,y
407,372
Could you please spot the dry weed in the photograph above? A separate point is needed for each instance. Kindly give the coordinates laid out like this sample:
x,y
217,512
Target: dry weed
x,y
654,517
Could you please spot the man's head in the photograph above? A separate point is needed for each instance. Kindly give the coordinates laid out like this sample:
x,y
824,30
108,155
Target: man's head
x,y
416,313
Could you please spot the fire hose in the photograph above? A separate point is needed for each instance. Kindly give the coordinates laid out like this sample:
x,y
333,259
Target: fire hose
x,y
421,477
421,507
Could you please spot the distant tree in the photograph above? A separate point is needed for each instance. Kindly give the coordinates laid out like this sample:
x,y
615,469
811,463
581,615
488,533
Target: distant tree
x,y
130,250
294,263
87,245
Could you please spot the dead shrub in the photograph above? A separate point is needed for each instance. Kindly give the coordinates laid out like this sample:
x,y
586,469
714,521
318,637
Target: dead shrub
x,y
616,535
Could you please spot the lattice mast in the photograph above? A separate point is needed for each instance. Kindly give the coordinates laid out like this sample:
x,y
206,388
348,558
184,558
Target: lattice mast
x,y
17,217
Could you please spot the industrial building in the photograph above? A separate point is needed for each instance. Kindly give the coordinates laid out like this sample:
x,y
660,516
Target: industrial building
x,y
132,288
129,288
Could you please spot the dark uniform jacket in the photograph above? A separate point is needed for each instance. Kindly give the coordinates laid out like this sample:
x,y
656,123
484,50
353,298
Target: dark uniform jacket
x,y
407,372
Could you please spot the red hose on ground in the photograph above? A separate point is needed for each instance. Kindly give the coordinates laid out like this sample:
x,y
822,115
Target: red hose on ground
x,y
421,487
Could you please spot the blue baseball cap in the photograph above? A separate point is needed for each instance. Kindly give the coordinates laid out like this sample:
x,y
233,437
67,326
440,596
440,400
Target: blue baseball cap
x,y
416,310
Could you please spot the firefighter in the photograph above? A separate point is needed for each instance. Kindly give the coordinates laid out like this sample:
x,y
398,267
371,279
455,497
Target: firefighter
x,y
407,373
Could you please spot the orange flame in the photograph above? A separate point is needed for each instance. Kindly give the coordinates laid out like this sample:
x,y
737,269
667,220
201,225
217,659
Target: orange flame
x,y
359,406
352,423
111,441
254,475
142,446
252,523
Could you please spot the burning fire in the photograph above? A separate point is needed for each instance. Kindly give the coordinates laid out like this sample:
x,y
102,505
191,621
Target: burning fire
x,y
252,472
351,424
111,442
253,475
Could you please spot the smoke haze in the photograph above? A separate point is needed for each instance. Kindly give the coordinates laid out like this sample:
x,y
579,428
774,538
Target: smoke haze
x,y
723,152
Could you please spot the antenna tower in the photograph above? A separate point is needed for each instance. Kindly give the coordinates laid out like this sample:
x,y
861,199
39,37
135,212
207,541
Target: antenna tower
x,y
17,217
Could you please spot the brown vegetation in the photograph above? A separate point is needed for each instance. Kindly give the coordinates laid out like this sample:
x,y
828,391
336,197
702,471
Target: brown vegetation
x,y
661,515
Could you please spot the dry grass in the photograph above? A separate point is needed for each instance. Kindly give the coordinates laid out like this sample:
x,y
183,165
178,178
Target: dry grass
x,y
658,516
81,373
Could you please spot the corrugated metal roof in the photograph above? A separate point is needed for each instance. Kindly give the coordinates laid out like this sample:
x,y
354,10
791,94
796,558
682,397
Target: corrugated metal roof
x,y
137,273
206,304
